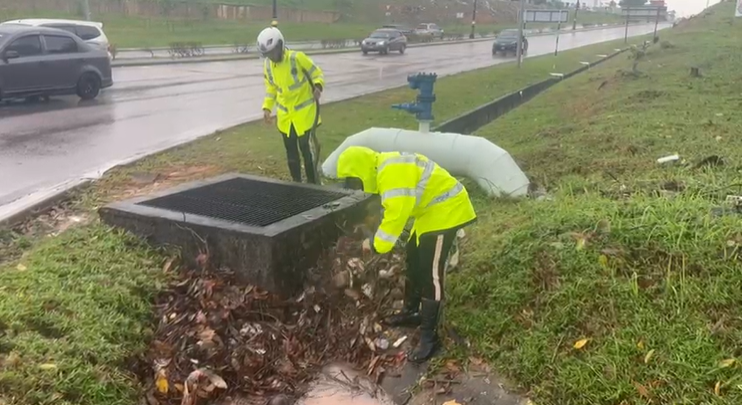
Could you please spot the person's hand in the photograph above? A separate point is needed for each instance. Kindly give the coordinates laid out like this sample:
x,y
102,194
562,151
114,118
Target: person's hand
x,y
267,116
317,92
367,247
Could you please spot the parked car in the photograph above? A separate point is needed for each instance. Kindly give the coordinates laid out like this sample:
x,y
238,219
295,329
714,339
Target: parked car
x,y
39,61
383,41
405,30
507,41
430,29
89,31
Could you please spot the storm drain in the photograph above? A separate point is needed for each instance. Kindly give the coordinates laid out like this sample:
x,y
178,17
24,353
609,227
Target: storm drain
x,y
269,232
246,201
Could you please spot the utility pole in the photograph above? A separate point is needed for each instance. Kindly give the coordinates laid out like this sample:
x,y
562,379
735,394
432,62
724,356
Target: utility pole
x,y
473,20
521,22
656,22
86,9
574,20
626,34
274,23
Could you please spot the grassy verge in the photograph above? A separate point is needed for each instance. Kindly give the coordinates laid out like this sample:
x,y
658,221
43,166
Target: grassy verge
x,y
73,316
130,32
91,338
628,253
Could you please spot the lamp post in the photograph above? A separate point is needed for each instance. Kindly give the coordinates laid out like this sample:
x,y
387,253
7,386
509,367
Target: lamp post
x,y
574,20
521,23
86,9
473,20
274,23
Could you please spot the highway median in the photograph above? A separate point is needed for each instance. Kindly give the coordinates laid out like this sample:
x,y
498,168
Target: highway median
x,y
615,283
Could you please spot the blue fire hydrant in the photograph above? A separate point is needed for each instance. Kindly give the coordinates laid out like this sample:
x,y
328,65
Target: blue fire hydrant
x,y
423,108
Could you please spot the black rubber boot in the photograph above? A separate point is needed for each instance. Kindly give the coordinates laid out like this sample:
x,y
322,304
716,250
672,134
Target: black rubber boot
x,y
429,341
410,314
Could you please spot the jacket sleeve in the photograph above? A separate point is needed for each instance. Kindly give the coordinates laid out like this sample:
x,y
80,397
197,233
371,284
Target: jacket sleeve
x,y
271,91
314,71
397,187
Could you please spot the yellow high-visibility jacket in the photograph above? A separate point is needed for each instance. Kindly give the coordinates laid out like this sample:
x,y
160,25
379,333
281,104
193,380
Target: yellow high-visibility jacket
x,y
287,89
410,185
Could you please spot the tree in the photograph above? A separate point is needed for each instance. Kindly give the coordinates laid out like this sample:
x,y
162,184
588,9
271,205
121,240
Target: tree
x,y
632,3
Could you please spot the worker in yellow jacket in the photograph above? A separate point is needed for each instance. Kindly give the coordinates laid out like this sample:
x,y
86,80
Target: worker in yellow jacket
x,y
293,86
413,186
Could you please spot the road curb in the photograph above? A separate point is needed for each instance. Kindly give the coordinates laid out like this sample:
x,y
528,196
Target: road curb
x,y
232,58
12,216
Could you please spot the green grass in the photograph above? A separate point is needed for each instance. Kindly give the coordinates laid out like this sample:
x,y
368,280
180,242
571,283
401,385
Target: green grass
x,y
73,316
100,283
627,253
134,32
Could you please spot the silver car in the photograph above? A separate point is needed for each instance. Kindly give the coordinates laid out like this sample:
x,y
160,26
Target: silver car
x,y
429,29
37,61
89,31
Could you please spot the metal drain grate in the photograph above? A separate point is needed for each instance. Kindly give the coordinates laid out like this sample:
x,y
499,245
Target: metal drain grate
x,y
246,201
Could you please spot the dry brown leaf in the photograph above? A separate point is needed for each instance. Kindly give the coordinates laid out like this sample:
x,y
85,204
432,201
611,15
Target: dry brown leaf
x,y
717,389
452,366
21,267
640,345
727,363
48,366
214,378
580,343
169,264
642,390
648,356
451,402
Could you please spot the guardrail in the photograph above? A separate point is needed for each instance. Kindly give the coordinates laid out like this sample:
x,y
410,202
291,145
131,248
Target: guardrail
x,y
180,50
193,50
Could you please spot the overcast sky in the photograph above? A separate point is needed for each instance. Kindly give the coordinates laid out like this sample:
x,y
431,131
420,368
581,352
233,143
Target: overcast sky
x,y
688,7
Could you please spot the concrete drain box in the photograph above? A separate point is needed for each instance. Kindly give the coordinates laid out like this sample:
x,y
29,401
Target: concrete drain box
x,y
267,231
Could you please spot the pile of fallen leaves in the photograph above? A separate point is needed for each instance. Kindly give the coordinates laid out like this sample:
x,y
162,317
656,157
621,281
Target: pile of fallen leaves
x,y
219,339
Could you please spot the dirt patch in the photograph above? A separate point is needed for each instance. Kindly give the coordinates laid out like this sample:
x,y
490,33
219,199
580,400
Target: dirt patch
x,y
139,183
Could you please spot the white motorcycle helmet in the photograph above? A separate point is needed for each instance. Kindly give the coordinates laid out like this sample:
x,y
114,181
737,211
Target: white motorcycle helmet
x,y
270,43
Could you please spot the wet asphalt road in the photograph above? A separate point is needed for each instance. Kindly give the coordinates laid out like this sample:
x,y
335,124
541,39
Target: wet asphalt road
x,y
150,108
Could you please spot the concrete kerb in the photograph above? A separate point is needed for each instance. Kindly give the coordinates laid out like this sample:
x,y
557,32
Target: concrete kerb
x,y
485,114
16,214
230,58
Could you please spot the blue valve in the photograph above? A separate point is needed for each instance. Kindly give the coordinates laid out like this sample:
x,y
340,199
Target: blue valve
x,y
423,107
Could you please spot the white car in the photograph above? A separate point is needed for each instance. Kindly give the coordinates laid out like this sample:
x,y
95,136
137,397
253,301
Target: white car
x,y
429,29
89,31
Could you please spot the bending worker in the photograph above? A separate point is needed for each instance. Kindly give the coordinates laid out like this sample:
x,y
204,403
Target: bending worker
x,y
293,85
413,186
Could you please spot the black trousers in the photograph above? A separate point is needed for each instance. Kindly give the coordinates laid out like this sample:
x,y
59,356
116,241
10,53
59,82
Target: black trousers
x,y
294,144
426,263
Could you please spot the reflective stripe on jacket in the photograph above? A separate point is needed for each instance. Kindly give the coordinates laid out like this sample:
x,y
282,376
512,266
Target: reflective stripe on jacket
x,y
410,185
289,92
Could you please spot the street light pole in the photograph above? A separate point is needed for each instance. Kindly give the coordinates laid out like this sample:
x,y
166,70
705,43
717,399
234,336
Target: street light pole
x,y
473,20
274,23
656,22
574,20
86,9
521,22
